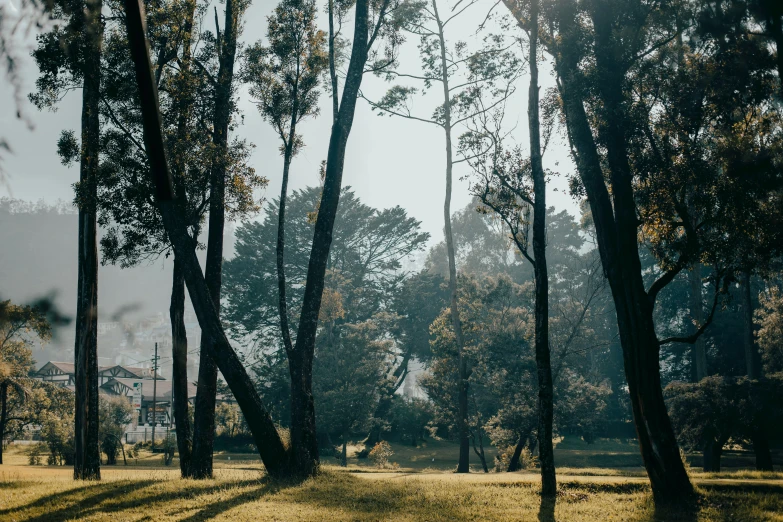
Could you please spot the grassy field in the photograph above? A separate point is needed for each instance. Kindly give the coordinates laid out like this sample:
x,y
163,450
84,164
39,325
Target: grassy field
x,y
146,490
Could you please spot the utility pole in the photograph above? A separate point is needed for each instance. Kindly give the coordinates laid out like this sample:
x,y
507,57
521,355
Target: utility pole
x,y
154,394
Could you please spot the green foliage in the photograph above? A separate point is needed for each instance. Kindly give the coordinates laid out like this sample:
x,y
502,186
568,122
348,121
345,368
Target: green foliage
x,y
769,317
724,408
68,148
350,367
114,415
169,448
284,75
410,418
57,433
28,402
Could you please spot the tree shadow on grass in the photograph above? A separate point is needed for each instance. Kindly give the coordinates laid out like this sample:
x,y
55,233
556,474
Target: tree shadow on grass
x,y
119,496
101,491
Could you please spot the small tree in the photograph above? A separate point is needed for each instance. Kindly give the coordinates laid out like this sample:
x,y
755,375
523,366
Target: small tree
x,y
20,328
115,414
769,318
380,454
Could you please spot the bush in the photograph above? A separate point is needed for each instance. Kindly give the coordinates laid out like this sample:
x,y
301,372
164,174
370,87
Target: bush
x,y
169,447
380,453
35,453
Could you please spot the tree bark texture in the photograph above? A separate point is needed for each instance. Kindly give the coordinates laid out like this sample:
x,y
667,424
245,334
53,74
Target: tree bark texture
x,y
204,418
179,381
304,440
543,362
271,448
87,458
617,241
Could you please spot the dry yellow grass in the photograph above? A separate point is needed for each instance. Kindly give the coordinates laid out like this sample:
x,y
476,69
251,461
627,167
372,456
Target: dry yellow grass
x,y
146,490
241,492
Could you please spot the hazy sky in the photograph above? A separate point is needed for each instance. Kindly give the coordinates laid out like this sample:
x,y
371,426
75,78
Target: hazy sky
x,y
390,161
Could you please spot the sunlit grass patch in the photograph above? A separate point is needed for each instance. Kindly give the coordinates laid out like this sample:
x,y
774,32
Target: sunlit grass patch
x,y
236,494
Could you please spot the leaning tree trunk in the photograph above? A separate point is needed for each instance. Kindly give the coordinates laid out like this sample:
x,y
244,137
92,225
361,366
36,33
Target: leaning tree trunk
x,y
463,429
617,242
543,364
204,418
271,448
179,381
87,458
304,440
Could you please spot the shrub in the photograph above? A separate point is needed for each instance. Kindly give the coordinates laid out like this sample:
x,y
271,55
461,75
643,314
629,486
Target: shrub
x,y
380,453
35,453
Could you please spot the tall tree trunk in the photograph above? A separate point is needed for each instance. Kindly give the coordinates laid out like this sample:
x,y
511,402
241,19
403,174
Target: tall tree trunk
x,y
543,364
183,105
179,381
3,415
463,373
304,440
617,242
271,448
478,451
204,418
87,458
699,352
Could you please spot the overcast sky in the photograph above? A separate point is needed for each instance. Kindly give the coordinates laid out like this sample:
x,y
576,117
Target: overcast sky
x,y
390,161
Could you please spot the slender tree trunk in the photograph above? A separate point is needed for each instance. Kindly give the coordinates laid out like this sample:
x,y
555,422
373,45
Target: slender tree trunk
x,y
617,241
204,418
480,450
3,415
304,440
332,63
543,364
344,452
271,448
179,382
184,104
515,464
699,352
87,458
462,399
